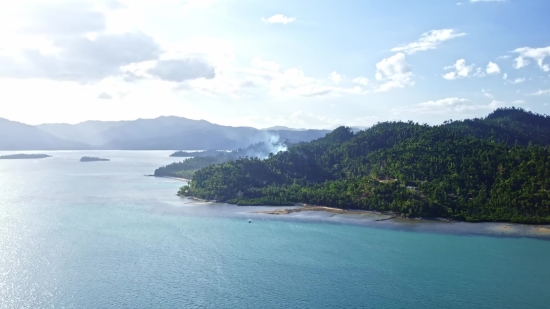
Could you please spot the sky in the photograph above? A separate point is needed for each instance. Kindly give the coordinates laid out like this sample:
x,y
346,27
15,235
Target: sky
x,y
302,64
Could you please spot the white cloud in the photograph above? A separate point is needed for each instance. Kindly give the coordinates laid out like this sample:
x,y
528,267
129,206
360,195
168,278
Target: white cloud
x,y
363,81
505,76
492,68
335,77
279,19
104,96
518,80
536,54
394,72
479,72
428,40
301,119
293,82
461,70
179,70
541,92
518,102
504,57
447,106
259,63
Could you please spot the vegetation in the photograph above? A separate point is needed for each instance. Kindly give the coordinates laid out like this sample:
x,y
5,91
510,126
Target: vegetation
x,y
189,154
491,169
24,156
92,159
187,168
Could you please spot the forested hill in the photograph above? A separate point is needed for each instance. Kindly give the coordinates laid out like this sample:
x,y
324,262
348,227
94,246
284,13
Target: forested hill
x,y
188,167
457,170
510,125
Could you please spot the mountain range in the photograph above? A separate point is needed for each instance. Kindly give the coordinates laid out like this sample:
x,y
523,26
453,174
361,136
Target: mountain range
x,y
162,133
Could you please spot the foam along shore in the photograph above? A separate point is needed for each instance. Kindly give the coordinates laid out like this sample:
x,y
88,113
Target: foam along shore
x,y
306,208
175,178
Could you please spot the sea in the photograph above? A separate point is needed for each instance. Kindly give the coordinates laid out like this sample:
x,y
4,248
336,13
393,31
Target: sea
x,y
103,235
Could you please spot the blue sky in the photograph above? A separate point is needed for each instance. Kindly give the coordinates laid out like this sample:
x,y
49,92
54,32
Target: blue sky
x,y
315,64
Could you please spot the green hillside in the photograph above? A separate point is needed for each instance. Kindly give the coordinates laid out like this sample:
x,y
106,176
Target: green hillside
x,y
490,169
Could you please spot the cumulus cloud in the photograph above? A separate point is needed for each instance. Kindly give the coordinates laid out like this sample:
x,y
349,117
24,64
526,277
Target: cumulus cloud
x,y
447,106
518,80
335,77
259,63
394,72
179,70
461,70
81,59
58,45
279,19
479,72
266,75
536,54
363,81
492,68
104,96
428,40
62,18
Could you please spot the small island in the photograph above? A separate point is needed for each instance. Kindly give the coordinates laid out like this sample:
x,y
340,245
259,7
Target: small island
x,y
92,159
24,156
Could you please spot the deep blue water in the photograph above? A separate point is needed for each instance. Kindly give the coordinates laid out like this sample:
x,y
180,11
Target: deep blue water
x,y
100,235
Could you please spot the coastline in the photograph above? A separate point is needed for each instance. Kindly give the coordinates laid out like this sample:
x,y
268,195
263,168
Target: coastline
x,y
170,177
419,223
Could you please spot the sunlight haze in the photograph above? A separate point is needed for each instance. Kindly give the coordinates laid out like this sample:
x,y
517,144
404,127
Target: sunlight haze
x,y
301,64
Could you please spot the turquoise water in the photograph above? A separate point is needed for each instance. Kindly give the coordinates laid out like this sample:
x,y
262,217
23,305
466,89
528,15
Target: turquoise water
x,y
100,235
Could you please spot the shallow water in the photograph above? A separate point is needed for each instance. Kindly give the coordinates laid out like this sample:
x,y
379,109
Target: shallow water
x,y
100,235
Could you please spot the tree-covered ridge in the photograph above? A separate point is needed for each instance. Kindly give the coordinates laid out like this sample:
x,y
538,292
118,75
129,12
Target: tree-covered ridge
x,y
508,125
451,171
191,154
186,168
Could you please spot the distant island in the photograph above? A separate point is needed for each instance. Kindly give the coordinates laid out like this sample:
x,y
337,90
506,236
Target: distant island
x,y
92,159
24,156
189,154
486,169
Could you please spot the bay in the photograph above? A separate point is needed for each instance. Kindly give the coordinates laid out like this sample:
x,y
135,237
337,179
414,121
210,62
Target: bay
x,y
101,235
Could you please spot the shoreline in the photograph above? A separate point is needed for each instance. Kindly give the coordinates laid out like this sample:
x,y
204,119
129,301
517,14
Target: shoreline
x,y
541,229
170,177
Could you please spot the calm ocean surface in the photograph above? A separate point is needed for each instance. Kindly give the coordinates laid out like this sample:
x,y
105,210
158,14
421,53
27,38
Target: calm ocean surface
x,y
100,235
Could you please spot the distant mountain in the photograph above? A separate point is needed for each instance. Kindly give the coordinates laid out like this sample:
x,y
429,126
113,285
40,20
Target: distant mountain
x,y
89,132
19,136
277,128
172,133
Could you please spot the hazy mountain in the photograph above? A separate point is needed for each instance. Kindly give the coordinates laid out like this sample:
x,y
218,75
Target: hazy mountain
x,y
277,128
89,132
172,133
19,136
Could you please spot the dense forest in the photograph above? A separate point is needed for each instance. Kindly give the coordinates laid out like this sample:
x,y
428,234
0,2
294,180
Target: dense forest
x,y
198,160
490,169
